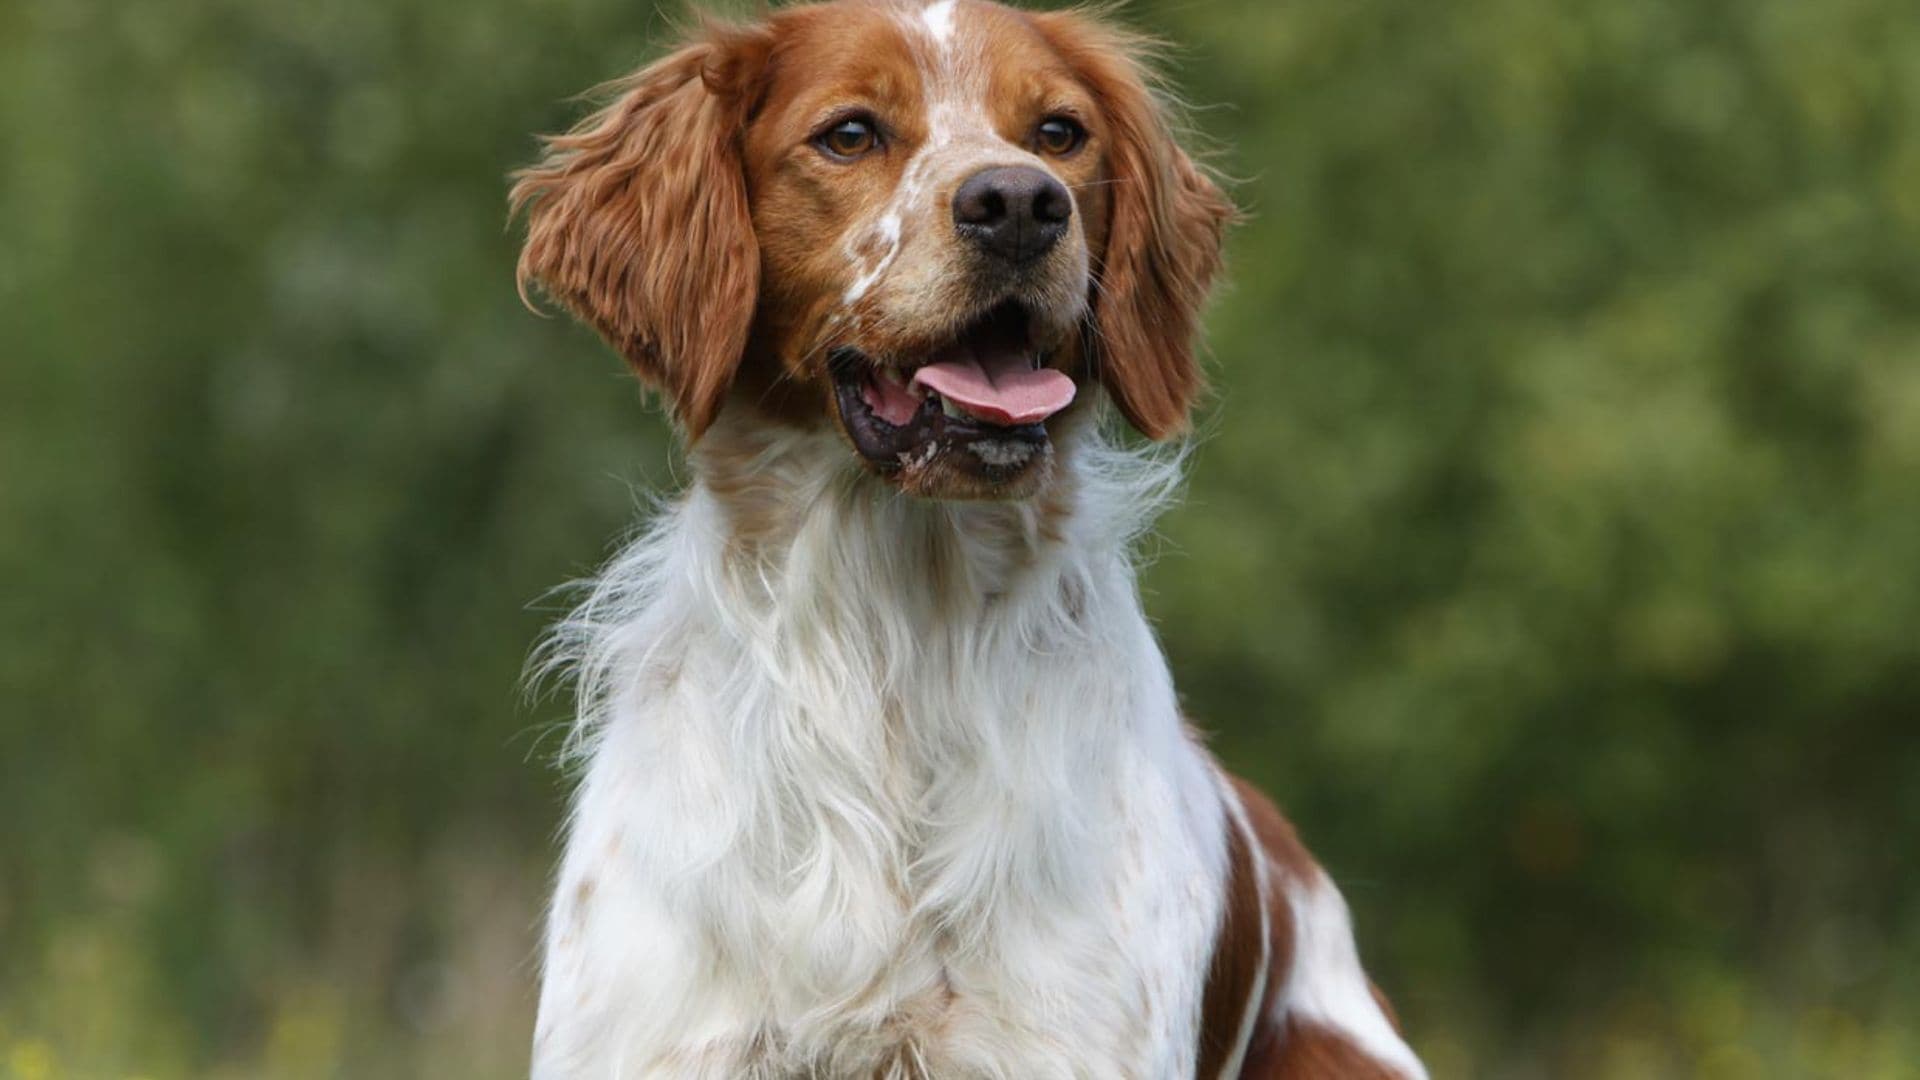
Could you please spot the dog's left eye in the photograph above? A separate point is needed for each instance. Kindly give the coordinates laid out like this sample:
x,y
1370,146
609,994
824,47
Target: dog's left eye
x,y
1059,136
850,138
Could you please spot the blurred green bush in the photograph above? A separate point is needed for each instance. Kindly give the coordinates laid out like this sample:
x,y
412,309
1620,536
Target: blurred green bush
x,y
1551,552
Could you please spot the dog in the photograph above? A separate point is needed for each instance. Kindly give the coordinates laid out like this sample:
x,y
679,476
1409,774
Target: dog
x,y
883,774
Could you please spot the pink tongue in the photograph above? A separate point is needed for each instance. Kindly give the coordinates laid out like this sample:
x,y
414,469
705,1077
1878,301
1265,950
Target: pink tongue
x,y
997,385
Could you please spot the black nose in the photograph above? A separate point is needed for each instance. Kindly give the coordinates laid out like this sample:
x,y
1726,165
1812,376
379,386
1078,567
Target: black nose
x,y
1015,212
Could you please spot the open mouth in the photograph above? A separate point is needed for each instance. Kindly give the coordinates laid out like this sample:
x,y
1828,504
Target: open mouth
x,y
986,394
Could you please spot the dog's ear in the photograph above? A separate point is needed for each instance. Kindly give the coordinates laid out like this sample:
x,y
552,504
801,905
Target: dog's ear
x,y
637,220
1165,221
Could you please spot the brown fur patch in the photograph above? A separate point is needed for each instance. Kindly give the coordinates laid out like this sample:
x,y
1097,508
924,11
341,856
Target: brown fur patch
x,y
1311,1052
637,220
1276,834
1234,975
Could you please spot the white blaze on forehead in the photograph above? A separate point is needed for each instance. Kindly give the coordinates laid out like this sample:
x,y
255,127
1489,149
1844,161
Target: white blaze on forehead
x,y
938,19
953,94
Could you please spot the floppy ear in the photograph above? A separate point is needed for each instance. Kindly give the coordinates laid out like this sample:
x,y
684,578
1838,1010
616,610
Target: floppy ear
x,y
638,221
1164,227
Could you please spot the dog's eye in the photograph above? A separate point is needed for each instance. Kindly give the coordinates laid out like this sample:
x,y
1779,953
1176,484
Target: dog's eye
x,y
1059,136
850,138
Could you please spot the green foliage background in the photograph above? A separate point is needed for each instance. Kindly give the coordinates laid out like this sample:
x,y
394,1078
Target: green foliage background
x,y
1551,552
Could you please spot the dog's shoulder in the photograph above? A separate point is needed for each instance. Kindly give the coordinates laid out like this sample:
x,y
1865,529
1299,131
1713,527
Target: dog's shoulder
x,y
1286,996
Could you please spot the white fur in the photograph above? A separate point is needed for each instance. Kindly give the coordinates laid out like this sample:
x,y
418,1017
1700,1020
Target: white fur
x,y
938,19
904,786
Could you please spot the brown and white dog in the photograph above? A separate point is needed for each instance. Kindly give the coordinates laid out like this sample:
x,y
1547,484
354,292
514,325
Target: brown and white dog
x,y
884,772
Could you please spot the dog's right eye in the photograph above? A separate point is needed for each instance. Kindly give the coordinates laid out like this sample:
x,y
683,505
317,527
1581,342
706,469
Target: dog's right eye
x,y
849,138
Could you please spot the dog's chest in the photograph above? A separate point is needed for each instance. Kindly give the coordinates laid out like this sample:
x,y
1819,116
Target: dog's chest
x,y
841,831
961,927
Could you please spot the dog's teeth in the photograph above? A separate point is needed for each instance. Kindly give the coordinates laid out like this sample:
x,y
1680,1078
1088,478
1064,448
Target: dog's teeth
x,y
891,376
951,409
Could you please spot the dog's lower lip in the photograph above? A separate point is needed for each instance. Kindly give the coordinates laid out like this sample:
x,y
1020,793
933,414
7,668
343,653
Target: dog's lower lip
x,y
933,428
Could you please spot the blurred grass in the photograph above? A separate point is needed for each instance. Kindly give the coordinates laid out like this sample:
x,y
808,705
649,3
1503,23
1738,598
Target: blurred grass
x,y
1551,553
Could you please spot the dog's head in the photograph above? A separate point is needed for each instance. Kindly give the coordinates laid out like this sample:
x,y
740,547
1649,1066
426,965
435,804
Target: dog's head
x,y
930,225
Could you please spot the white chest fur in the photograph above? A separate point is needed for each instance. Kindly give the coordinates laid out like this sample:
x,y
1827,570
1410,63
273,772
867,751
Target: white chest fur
x,y
877,787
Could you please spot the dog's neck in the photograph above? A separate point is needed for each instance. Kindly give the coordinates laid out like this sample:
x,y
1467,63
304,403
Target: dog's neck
x,y
795,532
810,592
806,526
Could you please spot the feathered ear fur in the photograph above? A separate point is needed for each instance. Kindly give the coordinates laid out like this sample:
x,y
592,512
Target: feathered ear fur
x,y
1165,222
638,220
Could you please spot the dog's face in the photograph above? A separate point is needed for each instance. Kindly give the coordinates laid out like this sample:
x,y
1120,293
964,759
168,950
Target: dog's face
x,y
930,226
913,179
